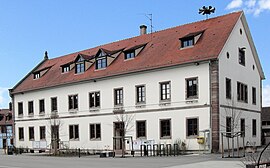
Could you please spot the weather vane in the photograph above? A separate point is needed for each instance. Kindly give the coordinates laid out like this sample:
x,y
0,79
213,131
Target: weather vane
x,y
207,11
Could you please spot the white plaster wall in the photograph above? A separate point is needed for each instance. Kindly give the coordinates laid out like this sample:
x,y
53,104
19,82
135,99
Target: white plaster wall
x,y
230,68
105,116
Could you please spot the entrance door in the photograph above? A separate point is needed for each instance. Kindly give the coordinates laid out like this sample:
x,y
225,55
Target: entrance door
x,y
55,136
118,133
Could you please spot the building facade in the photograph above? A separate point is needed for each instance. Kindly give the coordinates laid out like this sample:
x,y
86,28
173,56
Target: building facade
x,y
6,128
265,125
190,81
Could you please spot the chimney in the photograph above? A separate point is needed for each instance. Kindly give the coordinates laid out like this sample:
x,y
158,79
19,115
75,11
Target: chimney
x,y
143,29
46,55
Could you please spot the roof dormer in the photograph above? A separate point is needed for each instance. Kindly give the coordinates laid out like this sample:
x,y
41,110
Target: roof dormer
x,y
41,72
105,57
190,39
132,52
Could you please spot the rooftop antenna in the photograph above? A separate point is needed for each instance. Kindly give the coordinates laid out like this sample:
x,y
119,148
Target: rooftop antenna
x,y
207,11
150,17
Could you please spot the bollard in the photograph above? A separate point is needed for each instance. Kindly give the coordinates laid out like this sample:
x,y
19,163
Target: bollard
x,y
79,152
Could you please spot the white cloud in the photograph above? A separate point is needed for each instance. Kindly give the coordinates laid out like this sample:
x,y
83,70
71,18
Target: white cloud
x,y
4,97
234,4
256,7
266,96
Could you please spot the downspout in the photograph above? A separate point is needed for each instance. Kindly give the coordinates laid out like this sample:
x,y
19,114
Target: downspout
x,y
210,102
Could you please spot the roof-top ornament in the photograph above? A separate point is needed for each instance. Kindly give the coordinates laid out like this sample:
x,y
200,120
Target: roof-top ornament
x,y
46,55
207,11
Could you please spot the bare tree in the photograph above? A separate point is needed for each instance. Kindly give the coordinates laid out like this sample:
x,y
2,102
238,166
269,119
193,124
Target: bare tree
x,y
54,125
126,125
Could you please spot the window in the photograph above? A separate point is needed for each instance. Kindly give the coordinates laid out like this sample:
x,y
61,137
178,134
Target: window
x,y
253,95
140,94
54,104
118,97
36,75
31,134
94,99
165,129
130,54
21,134
165,91
101,63
192,88
186,42
80,66
228,88
73,102
192,127
228,126
42,106
74,132
243,127
242,56
20,108
65,68
242,92
42,133
95,132
141,129
254,127
30,108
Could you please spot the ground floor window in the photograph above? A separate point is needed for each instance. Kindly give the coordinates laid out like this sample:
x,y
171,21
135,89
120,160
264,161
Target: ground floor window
x,y
141,129
31,134
74,132
95,132
192,127
42,133
254,127
21,134
165,128
243,125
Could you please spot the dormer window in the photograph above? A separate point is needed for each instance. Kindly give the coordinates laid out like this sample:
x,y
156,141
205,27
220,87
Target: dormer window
x,y
65,68
36,75
130,54
101,63
80,66
188,41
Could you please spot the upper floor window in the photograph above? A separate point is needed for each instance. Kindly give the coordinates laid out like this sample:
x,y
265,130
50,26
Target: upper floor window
x,y
165,91
36,75
118,97
80,66
228,88
94,99
242,92
192,88
101,63
130,54
74,132
30,107
41,106
20,108
66,68
73,102
54,104
253,95
186,42
140,94
242,59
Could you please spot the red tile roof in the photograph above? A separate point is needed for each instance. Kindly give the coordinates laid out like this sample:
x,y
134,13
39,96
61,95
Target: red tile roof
x,y
161,50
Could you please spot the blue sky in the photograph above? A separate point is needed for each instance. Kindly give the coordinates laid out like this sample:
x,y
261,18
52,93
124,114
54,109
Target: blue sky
x,y
28,28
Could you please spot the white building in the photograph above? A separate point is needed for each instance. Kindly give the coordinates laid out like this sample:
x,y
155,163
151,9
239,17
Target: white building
x,y
172,85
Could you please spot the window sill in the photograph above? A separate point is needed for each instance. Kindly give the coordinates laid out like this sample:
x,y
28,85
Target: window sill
x,y
74,140
72,111
21,139
166,137
165,103
42,114
30,115
118,110
100,69
192,137
93,139
20,116
94,109
183,48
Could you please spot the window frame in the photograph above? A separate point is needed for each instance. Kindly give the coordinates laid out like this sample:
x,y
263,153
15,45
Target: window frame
x,y
21,133
254,95
140,94
161,129
187,42
36,75
228,125
72,137
243,127
31,133
65,68
193,96
80,66
101,63
254,127
96,103
119,102
42,134
242,56
54,105
95,138
138,136
41,106
73,102
130,54
242,92
20,108
167,91
30,108
188,126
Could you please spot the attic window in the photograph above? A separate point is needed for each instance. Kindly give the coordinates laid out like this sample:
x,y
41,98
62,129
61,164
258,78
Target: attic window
x,y
101,63
242,56
36,75
65,68
130,54
80,66
186,42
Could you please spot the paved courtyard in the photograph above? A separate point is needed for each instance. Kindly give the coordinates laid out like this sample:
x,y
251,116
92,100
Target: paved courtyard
x,y
187,161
